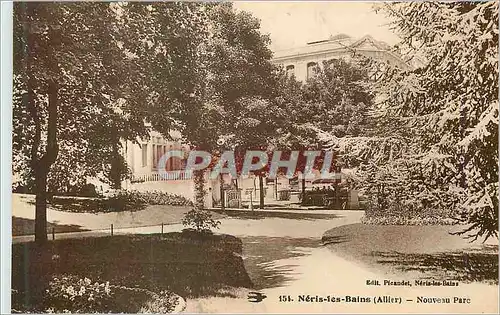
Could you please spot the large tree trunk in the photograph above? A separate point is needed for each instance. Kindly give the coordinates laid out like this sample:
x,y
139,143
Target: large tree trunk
x,y
41,207
261,192
199,190
42,166
42,160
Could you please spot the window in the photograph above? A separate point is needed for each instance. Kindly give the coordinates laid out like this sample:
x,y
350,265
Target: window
x,y
290,70
159,154
153,152
144,149
311,70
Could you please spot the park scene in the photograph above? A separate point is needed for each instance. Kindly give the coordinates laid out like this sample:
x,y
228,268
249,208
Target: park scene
x,y
255,157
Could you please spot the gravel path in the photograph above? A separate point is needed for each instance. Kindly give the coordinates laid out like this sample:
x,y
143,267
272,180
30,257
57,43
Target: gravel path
x,y
285,258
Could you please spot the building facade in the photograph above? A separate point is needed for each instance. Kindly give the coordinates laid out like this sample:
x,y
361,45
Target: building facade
x,y
143,157
302,61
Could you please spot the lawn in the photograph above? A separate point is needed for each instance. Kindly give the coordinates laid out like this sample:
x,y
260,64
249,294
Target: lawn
x,y
182,263
427,252
64,220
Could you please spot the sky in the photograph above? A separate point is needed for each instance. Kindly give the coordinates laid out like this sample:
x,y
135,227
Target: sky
x,y
293,24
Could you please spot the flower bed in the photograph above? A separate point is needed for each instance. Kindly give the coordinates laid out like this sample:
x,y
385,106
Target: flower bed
x,y
73,294
407,213
403,220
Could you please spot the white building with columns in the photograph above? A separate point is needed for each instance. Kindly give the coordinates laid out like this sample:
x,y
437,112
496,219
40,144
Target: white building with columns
x,y
301,61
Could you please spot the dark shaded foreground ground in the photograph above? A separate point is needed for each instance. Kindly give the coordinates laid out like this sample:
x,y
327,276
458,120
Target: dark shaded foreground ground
x,y
182,263
426,252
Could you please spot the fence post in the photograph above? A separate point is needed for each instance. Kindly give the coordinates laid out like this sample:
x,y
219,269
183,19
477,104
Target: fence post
x,y
53,234
111,229
162,229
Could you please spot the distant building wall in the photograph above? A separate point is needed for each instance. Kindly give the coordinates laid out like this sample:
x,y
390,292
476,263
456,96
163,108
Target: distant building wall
x,y
181,187
301,60
142,158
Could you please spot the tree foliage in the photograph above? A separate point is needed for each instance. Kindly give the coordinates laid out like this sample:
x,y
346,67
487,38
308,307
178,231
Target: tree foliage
x,y
437,124
236,82
453,99
234,63
88,75
338,97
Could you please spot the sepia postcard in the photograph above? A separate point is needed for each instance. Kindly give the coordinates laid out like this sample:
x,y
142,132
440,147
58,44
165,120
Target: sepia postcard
x,y
254,157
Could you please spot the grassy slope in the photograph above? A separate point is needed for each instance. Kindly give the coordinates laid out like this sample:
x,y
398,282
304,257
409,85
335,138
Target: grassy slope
x,y
63,221
425,251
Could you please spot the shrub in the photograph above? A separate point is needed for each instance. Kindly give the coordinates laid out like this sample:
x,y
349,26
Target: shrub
x,y
87,190
150,198
401,220
162,303
121,201
406,212
200,221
